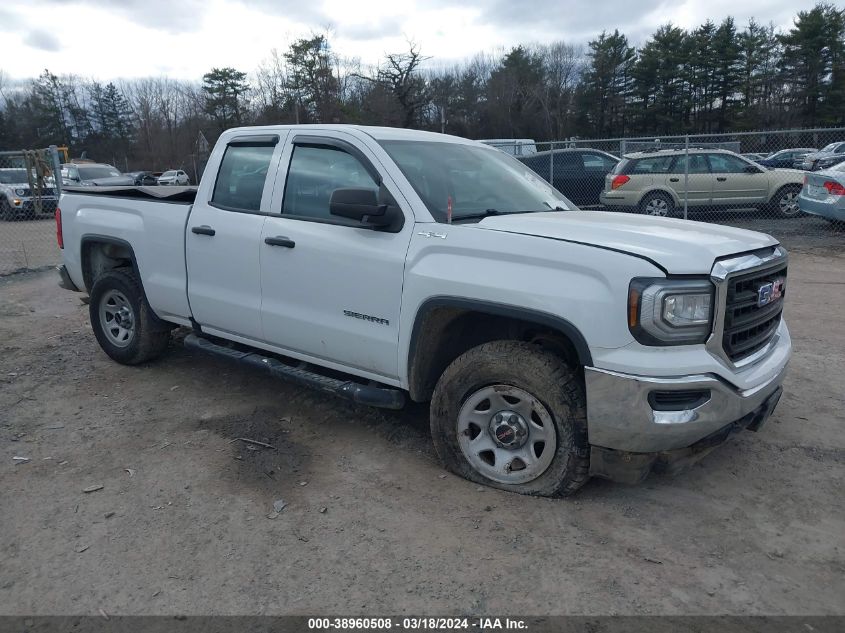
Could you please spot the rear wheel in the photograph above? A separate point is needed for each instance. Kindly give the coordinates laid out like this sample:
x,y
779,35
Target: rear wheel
x,y
123,321
785,202
657,204
512,415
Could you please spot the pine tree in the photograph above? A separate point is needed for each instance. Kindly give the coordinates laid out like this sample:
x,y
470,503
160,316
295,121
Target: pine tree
x,y
225,89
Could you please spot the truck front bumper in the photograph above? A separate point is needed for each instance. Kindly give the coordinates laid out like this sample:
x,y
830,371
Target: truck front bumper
x,y
637,423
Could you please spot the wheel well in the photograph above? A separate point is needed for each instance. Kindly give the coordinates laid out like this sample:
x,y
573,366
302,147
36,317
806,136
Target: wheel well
x,y
99,256
445,332
661,192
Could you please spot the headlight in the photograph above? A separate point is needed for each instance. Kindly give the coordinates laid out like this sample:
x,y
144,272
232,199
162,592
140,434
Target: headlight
x,y
670,311
21,192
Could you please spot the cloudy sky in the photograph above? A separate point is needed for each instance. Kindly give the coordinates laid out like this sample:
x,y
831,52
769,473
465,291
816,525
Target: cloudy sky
x,y
109,39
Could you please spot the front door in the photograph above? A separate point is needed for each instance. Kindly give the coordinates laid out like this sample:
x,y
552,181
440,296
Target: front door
x,y
223,236
735,184
332,288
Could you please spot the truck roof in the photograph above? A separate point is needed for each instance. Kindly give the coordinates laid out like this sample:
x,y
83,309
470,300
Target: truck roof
x,y
379,133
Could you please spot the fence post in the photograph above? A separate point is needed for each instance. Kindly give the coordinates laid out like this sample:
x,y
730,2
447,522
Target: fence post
x,y
57,169
686,174
552,164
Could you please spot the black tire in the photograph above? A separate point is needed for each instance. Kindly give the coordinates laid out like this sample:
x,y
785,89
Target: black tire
x,y
149,336
544,376
655,203
783,209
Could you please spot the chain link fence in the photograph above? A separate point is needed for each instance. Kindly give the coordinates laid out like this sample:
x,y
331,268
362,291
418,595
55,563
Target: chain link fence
x,y
30,184
750,180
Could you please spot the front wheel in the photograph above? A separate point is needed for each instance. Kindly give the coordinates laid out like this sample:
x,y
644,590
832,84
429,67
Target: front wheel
x,y
512,415
123,322
785,202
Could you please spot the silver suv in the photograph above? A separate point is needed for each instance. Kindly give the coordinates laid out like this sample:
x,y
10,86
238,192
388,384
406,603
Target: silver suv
x,y
654,183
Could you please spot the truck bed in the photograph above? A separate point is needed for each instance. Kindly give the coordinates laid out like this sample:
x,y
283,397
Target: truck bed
x,y
150,219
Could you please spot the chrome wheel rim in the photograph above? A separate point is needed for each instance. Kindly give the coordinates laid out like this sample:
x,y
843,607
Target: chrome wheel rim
x,y
789,203
506,434
117,318
658,207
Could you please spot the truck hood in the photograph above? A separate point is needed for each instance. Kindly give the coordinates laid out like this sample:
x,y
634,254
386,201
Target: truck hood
x,y
681,247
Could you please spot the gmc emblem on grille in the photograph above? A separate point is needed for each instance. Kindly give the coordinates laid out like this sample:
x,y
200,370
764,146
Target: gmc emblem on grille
x,y
769,292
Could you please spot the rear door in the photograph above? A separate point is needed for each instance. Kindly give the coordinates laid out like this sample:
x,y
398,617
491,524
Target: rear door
x,y
332,288
223,236
570,178
697,182
735,184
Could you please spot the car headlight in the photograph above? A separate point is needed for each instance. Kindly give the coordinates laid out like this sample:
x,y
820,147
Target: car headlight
x,y
21,192
670,311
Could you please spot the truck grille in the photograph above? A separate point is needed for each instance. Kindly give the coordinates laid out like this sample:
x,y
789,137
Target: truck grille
x,y
748,325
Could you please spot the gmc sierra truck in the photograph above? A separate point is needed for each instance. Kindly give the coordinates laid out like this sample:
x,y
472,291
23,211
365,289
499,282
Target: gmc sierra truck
x,y
381,264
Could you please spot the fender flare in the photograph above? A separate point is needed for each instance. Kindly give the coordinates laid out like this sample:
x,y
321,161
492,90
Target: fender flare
x,y
499,309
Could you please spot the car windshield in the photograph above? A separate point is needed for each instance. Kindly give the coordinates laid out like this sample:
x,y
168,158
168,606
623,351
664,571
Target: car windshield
x,y
829,147
12,176
471,181
169,173
92,173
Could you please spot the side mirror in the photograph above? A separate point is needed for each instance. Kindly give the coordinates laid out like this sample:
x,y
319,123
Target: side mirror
x,y
752,169
361,205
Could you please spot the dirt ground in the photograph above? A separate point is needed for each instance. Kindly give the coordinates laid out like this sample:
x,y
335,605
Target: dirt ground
x,y
373,525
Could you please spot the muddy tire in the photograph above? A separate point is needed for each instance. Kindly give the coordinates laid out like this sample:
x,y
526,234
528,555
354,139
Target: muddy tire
x,y
657,204
784,203
513,416
123,321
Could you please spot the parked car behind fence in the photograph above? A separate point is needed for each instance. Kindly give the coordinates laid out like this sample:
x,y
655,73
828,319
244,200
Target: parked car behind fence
x,y
658,183
577,173
823,194
174,177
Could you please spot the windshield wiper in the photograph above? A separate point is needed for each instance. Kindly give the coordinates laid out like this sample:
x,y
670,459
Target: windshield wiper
x,y
485,214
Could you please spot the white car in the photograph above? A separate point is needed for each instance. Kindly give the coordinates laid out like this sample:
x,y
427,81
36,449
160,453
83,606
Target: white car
x,y
174,177
381,264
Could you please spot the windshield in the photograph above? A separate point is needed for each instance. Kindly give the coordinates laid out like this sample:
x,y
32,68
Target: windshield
x,y
470,180
12,176
169,173
829,148
92,173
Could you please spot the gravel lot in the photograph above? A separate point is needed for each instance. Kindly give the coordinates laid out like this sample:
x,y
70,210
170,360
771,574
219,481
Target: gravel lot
x,y
373,525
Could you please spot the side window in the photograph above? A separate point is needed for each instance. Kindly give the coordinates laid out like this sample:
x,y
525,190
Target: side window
x,y
597,162
839,149
652,165
314,173
726,164
240,181
569,161
697,164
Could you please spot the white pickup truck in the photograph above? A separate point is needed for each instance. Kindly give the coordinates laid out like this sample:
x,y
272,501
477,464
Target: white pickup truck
x,y
379,264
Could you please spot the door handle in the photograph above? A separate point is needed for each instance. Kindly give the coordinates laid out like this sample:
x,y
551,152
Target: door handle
x,y
203,230
721,178
674,179
280,240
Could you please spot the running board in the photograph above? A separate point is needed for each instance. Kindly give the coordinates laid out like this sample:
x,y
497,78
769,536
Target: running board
x,y
381,397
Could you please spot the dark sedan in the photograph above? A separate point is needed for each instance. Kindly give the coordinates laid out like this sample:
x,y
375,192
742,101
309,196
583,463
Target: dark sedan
x,y
787,158
576,173
143,178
